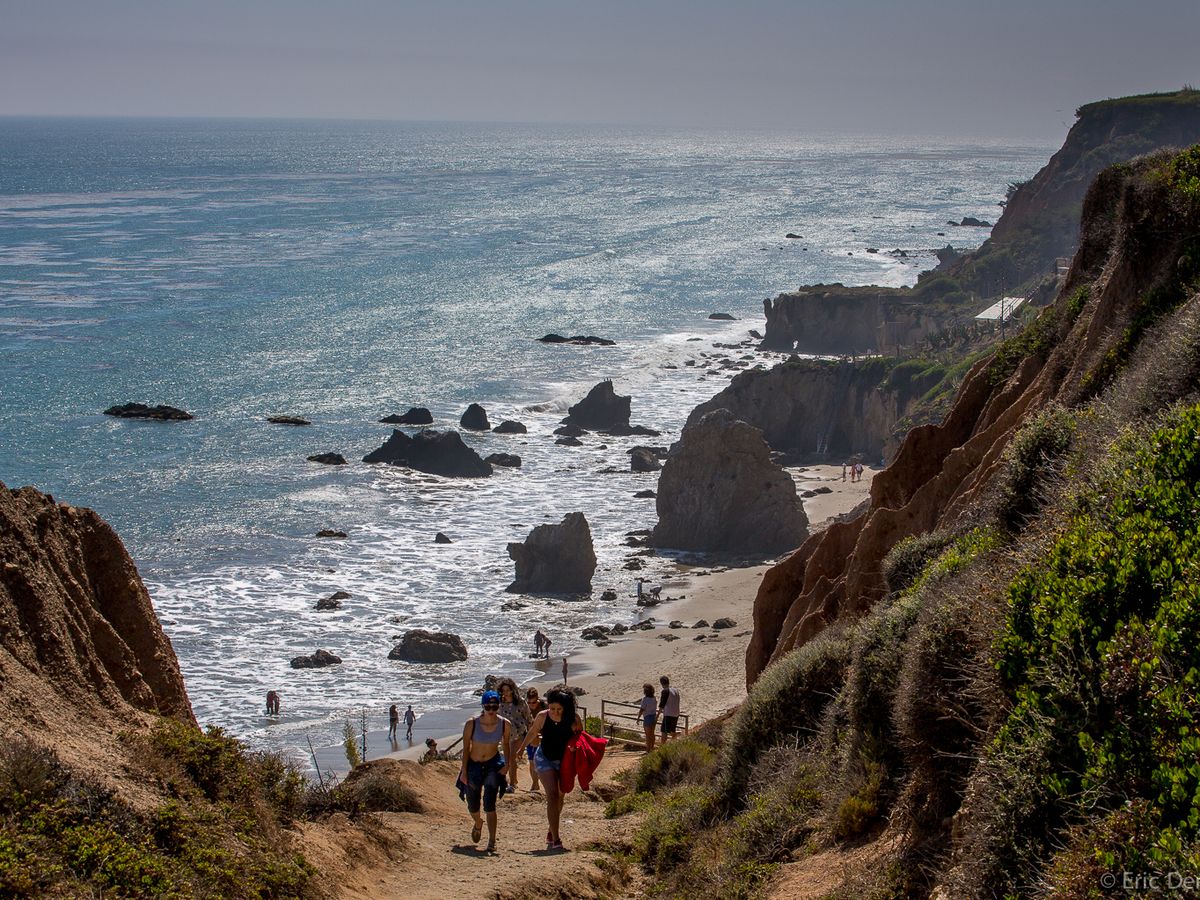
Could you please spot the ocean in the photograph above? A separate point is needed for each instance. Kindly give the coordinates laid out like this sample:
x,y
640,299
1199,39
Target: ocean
x,y
343,271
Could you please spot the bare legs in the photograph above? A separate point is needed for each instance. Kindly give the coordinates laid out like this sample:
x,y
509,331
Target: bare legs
x,y
533,775
649,729
554,800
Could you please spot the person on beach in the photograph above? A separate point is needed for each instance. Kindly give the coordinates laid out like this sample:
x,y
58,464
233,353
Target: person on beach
x,y
844,471
535,704
858,470
410,719
487,745
538,640
564,670
640,582
554,727
648,711
668,705
393,721
545,646
272,703
514,708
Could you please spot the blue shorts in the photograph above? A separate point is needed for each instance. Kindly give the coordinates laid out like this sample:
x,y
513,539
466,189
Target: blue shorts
x,y
530,751
545,765
649,720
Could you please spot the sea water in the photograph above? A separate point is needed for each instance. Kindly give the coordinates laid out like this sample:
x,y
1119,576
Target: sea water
x,y
344,271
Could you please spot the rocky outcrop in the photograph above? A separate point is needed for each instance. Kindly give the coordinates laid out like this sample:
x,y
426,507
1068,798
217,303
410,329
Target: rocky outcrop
x,y
508,426
436,452
79,639
601,409
508,460
833,320
416,415
577,339
142,411
719,491
321,659
642,459
421,646
287,420
822,409
555,559
475,418
327,459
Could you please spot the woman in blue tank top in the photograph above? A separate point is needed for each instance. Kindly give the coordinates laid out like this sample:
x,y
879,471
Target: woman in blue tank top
x,y
486,746
555,726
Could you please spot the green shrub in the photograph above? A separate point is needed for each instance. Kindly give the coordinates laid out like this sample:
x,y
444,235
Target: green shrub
x,y
862,809
375,790
906,562
673,763
627,803
784,706
1029,460
350,745
593,726
666,836
1099,657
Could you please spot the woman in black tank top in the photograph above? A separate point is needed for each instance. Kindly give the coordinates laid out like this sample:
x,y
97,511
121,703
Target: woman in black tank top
x,y
555,726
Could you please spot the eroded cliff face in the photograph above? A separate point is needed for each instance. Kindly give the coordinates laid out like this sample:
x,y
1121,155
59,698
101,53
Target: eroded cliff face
x,y
82,653
815,408
833,320
1125,259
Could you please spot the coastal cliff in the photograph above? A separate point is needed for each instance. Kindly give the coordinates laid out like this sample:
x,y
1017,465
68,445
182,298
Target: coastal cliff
x,y
983,682
1039,225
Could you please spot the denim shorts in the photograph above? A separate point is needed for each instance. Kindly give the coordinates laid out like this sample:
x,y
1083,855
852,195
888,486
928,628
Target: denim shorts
x,y
545,765
530,751
649,720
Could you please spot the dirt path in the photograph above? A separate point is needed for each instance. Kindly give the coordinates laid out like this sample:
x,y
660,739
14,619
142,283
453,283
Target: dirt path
x,y
430,854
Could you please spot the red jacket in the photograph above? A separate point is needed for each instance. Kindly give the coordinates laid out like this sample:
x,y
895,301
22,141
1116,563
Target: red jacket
x,y
580,760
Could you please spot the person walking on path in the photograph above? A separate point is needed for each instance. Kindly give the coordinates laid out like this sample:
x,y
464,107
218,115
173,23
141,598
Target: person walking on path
x,y
410,719
554,727
668,705
514,708
487,745
648,711
393,721
535,704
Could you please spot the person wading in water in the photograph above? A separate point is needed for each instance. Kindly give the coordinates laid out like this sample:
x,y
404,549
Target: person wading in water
x,y
555,726
487,748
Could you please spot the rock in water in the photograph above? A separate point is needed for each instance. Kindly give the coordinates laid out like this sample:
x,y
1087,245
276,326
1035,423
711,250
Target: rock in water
x,y
330,533
416,415
436,452
508,426
328,459
642,459
722,317
287,420
475,418
421,646
508,460
719,491
142,411
601,408
442,538
555,559
318,660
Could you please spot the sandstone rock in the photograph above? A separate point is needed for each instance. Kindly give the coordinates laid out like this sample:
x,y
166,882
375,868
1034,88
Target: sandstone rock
x,y
555,559
318,660
142,411
602,408
642,459
416,415
436,452
608,596
627,430
287,420
701,623
509,426
724,622
334,602
668,637
595,633
569,442
330,533
570,431
675,623
328,459
508,460
971,221
619,629
421,646
441,538
475,418
719,491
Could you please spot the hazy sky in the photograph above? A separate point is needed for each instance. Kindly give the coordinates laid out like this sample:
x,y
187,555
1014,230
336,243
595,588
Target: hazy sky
x,y
1006,68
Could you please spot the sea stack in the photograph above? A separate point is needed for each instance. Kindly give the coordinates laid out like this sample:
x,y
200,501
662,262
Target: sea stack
x,y
555,559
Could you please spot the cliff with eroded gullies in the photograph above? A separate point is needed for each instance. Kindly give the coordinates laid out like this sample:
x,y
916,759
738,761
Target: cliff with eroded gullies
x,y
984,684
1040,224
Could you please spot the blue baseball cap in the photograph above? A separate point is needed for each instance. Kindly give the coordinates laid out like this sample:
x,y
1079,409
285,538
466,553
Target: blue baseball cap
x,y
489,697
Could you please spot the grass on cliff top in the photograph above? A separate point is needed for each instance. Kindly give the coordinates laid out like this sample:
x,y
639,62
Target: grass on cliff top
x,y
1188,96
